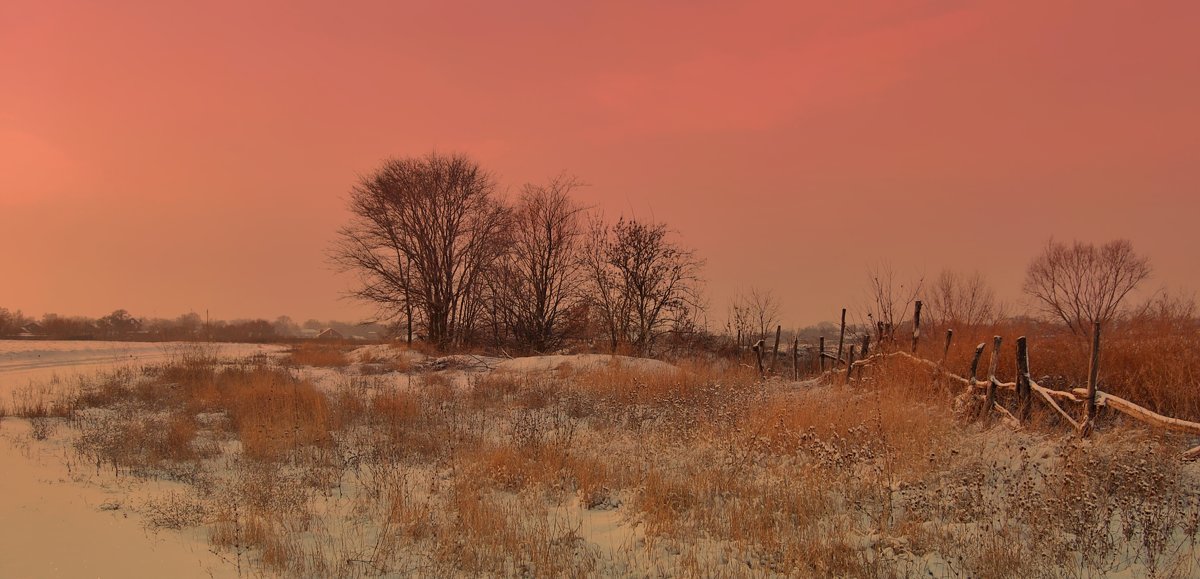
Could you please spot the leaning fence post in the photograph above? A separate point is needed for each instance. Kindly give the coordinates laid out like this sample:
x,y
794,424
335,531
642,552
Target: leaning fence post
x,y
1024,390
946,349
821,354
941,365
1093,377
975,366
850,364
916,325
775,353
841,340
990,400
758,355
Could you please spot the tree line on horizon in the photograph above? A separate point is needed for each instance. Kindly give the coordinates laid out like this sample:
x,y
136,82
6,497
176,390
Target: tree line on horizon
x,y
121,325
445,259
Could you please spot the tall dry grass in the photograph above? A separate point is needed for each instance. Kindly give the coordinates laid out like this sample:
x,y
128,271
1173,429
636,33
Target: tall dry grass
x,y
704,470
1151,362
318,354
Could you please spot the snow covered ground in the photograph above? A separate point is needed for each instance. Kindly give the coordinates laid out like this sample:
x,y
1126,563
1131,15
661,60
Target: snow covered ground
x,y
61,517
64,520
26,361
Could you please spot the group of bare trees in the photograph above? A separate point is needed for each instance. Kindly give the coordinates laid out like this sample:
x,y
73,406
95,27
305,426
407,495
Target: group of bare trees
x,y
435,247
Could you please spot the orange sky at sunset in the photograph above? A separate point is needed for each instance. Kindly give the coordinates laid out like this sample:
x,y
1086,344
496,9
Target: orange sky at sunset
x,y
167,157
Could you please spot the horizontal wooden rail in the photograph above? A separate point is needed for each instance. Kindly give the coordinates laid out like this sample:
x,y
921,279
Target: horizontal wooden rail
x,y
1077,395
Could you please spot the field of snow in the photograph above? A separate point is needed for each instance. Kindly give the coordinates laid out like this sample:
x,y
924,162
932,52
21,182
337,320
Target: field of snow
x,y
37,361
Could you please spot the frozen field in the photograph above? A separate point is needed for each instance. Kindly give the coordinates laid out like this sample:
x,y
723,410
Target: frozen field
x,y
26,361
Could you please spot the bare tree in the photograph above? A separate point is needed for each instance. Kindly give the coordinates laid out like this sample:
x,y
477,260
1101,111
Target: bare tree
x,y
764,310
889,298
1081,284
541,275
642,283
737,322
422,233
958,300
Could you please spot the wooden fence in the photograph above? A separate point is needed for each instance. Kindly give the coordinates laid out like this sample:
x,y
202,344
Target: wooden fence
x,y
1026,389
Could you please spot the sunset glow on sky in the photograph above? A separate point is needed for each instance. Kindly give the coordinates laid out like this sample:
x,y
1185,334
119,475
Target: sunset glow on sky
x,y
167,157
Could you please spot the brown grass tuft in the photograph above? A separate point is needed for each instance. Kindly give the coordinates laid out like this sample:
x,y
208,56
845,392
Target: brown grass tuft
x,y
321,355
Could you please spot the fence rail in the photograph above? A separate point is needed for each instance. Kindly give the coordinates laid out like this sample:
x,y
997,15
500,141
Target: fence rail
x,y
1090,398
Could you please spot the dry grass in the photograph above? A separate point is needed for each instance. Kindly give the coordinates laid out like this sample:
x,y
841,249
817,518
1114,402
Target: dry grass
x,y
318,354
707,470
273,412
1150,362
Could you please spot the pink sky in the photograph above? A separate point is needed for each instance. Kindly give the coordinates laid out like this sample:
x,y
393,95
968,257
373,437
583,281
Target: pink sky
x,y
167,157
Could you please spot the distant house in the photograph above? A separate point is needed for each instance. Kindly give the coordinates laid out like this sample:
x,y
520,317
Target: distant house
x,y
330,334
32,329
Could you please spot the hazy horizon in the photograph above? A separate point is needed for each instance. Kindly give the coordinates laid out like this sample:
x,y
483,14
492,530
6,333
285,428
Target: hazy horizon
x,y
172,158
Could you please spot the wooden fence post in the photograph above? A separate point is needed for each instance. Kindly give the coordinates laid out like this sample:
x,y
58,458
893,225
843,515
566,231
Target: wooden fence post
x,y
821,354
1024,390
916,325
850,364
941,365
841,340
975,367
775,353
946,350
1093,378
758,355
990,400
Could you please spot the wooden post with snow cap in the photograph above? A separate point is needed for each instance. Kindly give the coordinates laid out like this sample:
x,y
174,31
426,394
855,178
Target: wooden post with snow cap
x,y
841,340
1024,388
994,359
775,352
821,354
975,371
1093,379
975,368
916,325
850,364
